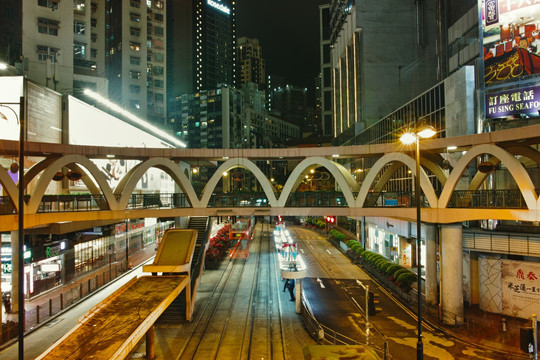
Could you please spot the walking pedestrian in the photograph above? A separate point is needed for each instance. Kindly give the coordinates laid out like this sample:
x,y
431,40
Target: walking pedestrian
x,y
286,285
291,289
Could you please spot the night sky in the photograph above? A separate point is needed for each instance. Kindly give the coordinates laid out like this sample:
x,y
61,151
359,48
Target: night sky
x,y
288,31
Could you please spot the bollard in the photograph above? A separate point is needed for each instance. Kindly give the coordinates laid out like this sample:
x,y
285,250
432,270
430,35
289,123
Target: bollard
x,y
50,307
37,314
503,325
80,291
61,301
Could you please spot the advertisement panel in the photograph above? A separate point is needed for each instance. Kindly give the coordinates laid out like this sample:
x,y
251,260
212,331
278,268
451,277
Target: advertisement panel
x,y
520,288
525,100
511,43
11,90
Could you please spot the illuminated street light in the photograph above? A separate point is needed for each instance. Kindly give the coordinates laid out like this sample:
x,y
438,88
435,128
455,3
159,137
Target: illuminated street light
x,y
409,138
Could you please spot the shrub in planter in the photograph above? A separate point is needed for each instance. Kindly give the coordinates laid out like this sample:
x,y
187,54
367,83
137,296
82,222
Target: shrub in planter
x,y
350,243
357,247
399,272
380,262
405,280
385,266
390,270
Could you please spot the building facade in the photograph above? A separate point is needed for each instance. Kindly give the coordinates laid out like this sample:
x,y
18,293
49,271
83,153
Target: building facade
x,y
201,50
250,64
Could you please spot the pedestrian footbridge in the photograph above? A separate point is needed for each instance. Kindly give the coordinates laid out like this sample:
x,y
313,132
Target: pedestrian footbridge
x,y
451,181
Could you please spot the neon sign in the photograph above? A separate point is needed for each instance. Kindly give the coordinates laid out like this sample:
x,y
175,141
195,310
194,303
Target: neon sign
x,y
219,6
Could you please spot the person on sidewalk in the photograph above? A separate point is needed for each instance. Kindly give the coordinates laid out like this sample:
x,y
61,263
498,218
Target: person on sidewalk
x,y
290,286
286,285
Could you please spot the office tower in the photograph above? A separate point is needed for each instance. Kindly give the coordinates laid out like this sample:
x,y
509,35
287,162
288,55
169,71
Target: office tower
x,y
250,64
201,45
135,51
381,56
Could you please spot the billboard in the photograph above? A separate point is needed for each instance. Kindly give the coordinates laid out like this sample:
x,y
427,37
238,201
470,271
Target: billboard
x,y
520,288
511,43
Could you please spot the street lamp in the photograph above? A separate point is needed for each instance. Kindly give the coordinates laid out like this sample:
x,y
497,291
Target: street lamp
x,y
409,138
20,269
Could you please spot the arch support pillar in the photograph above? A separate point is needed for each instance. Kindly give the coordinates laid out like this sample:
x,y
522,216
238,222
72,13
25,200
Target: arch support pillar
x,y
452,273
431,264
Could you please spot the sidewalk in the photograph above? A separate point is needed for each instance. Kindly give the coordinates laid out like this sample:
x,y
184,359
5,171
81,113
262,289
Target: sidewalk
x,y
41,308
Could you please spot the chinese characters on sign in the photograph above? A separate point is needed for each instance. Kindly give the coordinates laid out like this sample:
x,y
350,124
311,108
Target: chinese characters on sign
x,y
520,288
513,102
492,12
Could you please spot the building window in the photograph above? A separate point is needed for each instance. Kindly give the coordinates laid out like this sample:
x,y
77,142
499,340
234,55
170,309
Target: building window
x,y
135,89
93,53
135,46
79,50
135,17
158,57
134,74
159,98
158,83
158,17
135,3
94,7
158,4
93,22
45,52
51,4
134,60
135,31
78,27
47,26
79,5
135,104
158,30
94,37
158,70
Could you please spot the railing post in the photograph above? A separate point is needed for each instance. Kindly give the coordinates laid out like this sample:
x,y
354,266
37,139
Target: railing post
x,y
61,301
80,291
50,307
37,314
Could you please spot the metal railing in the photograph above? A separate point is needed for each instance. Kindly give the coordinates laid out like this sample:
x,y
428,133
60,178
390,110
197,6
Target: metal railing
x,y
507,199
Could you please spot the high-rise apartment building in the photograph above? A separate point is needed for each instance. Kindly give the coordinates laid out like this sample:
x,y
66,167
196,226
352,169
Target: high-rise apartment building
x,y
55,43
250,64
135,52
201,49
115,48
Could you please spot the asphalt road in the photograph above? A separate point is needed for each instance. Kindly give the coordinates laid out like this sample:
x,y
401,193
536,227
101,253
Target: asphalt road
x,y
337,300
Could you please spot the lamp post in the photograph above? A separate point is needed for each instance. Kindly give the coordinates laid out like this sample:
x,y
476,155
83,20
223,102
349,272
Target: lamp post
x,y
20,213
409,138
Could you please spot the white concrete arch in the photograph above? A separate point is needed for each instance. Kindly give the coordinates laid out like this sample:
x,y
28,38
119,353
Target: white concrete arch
x,y
37,168
130,180
513,165
64,161
343,177
425,184
245,164
9,187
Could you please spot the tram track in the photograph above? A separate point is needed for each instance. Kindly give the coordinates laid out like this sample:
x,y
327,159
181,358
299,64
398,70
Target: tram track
x,y
239,321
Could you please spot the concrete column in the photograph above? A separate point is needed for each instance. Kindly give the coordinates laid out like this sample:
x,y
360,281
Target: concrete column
x,y
15,271
432,296
452,273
